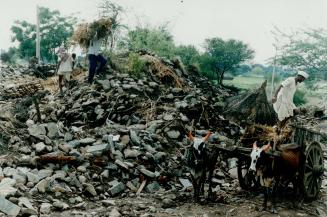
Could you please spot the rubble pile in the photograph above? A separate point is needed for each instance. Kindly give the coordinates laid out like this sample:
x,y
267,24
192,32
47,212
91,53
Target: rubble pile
x,y
14,72
118,137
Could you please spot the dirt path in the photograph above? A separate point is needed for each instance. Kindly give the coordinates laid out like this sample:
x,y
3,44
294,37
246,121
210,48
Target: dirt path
x,y
242,204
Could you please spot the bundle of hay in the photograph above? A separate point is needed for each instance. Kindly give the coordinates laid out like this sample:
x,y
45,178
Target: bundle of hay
x,y
252,107
85,32
264,134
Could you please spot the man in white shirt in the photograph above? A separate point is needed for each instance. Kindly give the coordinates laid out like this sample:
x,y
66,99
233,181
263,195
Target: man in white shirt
x,y
95,57
283,99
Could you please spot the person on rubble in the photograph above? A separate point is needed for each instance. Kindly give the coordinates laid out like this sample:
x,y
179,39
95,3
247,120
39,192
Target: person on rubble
x,y
95,57
65,67
283,98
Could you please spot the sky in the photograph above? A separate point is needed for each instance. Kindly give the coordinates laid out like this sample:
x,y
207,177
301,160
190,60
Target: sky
x,y
190,21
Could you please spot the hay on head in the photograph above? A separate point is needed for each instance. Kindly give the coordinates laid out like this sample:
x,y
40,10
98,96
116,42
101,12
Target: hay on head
x,y
85,32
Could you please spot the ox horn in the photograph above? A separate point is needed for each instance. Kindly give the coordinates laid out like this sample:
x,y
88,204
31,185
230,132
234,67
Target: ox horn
x,y
207,136
266,148
190,136
254,146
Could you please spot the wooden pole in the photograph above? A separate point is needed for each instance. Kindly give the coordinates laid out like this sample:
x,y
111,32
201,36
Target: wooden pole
x,y
38,39
37,107
273,75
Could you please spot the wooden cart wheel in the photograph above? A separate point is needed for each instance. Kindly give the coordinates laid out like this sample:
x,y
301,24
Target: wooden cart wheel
x,y
246,180
313,170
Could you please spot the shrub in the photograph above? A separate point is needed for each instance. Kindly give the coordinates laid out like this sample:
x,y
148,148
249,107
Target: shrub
x,y
136,66
299,98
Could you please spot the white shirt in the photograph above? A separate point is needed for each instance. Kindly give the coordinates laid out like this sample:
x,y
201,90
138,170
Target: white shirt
x,y
94,47
66,66
284,105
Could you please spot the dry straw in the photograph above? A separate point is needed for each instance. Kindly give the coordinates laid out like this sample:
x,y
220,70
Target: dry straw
x,y
86,31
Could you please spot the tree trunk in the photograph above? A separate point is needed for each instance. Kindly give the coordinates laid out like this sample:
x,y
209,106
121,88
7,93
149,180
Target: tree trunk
x,y
218,78
221,78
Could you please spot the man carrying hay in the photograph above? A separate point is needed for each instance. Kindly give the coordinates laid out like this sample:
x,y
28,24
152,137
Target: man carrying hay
x,y
283,99
90,37
95,57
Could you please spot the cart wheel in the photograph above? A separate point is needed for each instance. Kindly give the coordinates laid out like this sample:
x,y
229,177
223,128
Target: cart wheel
x,y
313,171
246,180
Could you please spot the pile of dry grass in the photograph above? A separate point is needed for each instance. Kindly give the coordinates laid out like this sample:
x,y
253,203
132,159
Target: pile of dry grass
x,y
86,31
166,74
252,107
264,134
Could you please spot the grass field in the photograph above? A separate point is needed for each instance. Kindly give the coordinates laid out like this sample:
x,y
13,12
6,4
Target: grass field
x,y
245,82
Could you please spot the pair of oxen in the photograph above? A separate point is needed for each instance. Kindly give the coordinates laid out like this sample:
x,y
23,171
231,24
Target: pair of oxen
x,y
201,159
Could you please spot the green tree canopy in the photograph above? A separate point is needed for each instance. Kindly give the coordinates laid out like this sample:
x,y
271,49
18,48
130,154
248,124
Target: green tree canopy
x,y
221,56
159,40
188,54
9,56
304,50
54,30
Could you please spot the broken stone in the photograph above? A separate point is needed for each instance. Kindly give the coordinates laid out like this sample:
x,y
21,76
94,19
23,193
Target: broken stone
x,y
90,188
121,164
60,205
38,131
8,207
173,134
6,187
153,187
73,144
98,148
87,141
125,139
42,186
45,208
116,189
53,131
9,171
114,213
129,153
44,173
81,169
19,178
24,201
105,174
131,186
29,212
147,172
186,183
135,139
168,117
108,202
39,147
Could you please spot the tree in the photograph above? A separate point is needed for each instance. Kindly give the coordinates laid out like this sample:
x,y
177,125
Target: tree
x,y
54,30
159,40
304,50
109,9
221,56
9,56
188,54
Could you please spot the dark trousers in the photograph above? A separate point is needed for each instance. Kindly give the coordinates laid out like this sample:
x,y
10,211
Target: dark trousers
x,y
93,63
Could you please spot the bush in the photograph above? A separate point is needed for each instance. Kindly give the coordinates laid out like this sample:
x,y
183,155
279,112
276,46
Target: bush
x,y
136,66
299,98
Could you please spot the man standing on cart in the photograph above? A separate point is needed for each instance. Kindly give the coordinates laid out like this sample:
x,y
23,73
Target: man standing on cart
x,y
283,99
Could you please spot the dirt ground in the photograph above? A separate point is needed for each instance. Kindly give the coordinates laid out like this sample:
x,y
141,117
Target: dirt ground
x,y
237,203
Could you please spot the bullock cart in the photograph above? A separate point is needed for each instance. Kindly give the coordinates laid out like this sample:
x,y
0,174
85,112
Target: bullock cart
x,y
312,170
